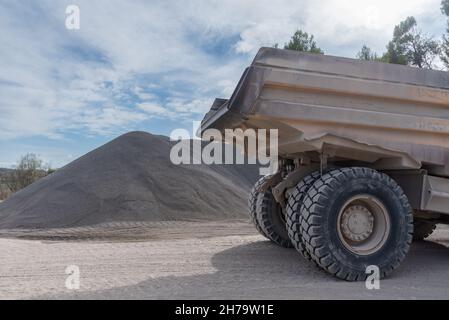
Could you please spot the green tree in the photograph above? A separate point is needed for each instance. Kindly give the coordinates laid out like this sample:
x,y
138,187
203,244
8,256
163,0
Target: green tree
x,y
410,46
28,170
445,7
302,41
445,45
367,54
394,54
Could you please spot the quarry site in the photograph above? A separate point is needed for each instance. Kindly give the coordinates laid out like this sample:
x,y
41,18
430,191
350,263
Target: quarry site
x,y
211,252
226,150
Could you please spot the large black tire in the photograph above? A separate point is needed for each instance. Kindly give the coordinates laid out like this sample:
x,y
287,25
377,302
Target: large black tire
x,y
271,217
252,203
293,207
422,229
330,199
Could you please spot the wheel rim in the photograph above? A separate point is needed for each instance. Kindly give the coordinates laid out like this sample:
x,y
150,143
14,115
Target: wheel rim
x,y
363,224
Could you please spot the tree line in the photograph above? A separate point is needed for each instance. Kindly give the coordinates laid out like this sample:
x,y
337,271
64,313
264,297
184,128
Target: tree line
x,y
409,45
28,170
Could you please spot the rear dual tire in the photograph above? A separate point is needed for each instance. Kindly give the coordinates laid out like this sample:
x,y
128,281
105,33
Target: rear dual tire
x,y
252,204
344,220
267,215
293,207
350,219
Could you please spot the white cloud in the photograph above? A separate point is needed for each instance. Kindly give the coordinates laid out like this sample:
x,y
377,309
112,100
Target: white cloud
x,y
176,109
154,109
339,26
132,61
107,120
143,95
200,106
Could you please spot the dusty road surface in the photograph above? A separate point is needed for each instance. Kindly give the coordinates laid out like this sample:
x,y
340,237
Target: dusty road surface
x,y
192,260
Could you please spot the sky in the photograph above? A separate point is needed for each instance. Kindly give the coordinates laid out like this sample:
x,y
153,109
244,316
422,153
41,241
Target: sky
x,y
155,65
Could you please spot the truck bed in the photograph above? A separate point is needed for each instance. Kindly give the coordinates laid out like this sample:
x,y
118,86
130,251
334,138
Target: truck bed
x,y
392,116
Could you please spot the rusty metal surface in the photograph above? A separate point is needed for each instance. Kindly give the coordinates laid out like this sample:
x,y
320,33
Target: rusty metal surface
x,y
394,117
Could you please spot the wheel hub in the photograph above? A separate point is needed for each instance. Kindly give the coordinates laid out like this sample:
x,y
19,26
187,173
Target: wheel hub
x,y
357,223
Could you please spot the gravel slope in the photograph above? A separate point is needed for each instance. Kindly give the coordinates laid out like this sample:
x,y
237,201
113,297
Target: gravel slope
x,y
130,179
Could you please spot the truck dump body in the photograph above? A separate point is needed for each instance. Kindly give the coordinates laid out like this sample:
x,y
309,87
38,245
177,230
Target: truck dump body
x,y
391,116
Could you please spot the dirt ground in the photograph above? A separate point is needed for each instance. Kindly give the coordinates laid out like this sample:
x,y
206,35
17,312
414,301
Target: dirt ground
x,y
195,260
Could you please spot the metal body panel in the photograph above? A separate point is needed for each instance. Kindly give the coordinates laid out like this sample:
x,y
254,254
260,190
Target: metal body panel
x,y
389,116
435,196
425,193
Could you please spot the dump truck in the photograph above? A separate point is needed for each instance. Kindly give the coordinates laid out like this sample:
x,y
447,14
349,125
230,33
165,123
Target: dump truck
x,y
363,156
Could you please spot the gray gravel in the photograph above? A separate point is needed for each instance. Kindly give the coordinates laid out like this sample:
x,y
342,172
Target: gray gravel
x,y
218,260
130,179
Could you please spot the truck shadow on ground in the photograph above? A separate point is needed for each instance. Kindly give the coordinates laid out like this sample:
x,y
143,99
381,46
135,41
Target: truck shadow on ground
x,y
261,270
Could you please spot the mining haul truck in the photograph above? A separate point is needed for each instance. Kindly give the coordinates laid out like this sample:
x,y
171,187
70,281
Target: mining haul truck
x,y
363,156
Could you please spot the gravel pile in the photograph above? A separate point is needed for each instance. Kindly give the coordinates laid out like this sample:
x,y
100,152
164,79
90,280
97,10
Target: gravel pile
x,y
130,179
